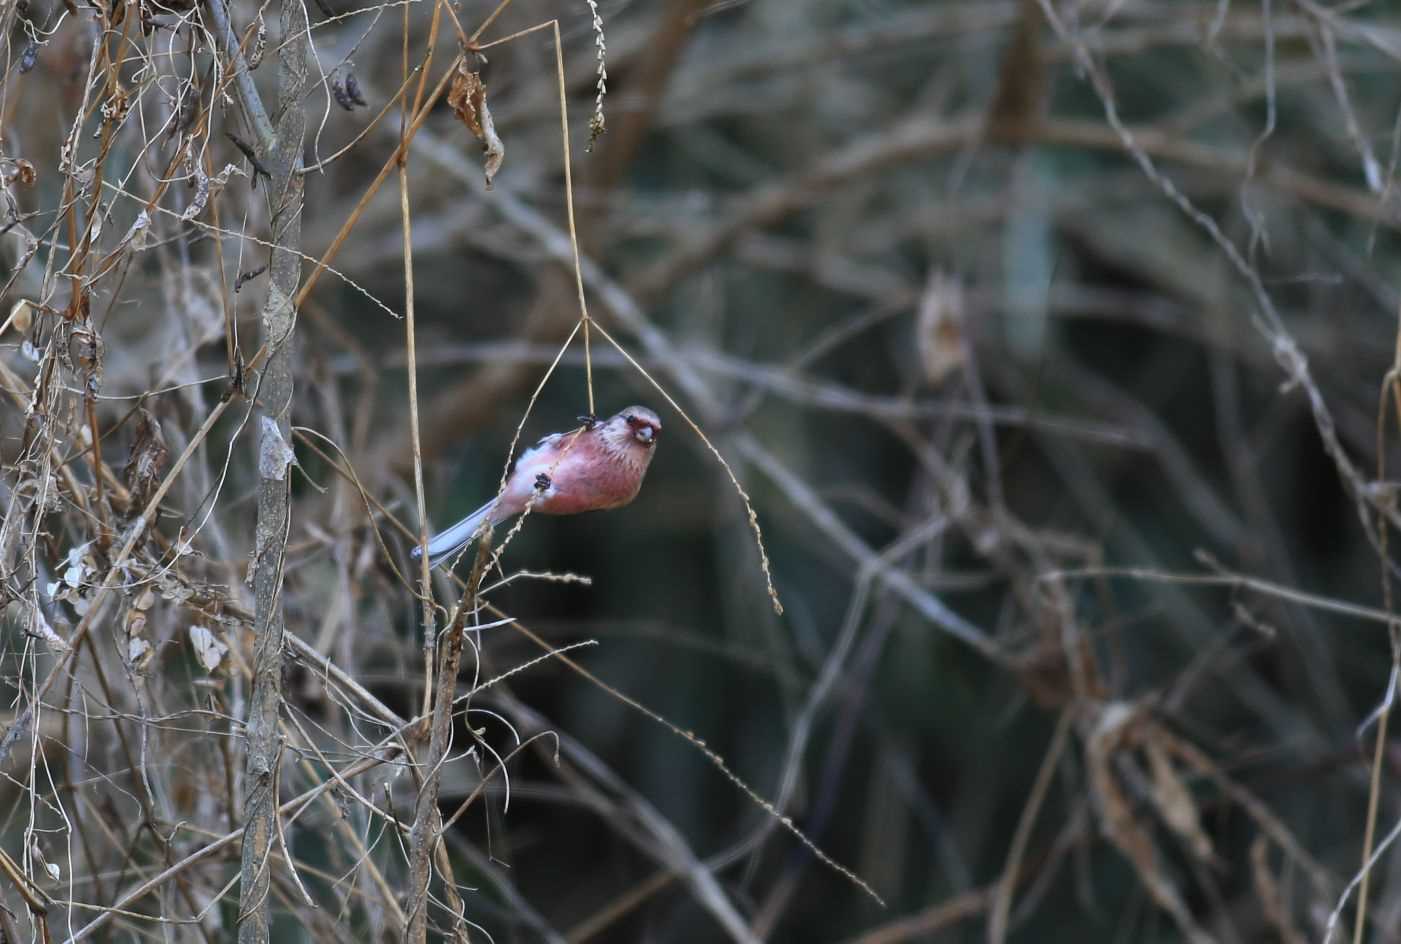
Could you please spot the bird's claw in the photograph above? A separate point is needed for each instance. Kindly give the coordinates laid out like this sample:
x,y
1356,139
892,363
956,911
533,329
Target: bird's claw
x,y
589,421
542,482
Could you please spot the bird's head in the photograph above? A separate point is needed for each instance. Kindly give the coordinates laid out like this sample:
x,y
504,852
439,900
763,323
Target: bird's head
x,y
636,427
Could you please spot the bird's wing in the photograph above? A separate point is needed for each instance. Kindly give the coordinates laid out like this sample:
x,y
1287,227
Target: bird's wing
x,y
444,544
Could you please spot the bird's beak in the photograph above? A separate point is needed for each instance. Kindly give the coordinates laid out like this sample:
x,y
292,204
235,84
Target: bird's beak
x,y
645,434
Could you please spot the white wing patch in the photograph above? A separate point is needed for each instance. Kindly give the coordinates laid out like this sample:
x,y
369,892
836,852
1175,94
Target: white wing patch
x,y
534,451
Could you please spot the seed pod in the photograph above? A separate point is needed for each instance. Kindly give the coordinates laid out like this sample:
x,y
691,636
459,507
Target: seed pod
x,y
341,96
346,92
352,89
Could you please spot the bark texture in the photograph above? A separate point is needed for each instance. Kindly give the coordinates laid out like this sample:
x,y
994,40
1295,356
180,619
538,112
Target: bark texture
x,y
273,389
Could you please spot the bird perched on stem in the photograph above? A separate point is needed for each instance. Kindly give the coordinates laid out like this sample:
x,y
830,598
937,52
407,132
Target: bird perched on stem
x,y
593,468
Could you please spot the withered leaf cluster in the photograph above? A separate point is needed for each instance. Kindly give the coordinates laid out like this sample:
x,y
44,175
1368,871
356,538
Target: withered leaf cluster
x,y
467,98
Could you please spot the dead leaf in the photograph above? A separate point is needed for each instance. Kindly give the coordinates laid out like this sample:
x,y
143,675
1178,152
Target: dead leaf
x,y
467,98
209,650
206,187
77,567
1174,801
940,327
1115,734
148,458
115,109
138,654
22,315
466,88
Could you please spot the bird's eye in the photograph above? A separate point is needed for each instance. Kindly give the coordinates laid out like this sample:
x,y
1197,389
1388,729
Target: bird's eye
x,y
629,418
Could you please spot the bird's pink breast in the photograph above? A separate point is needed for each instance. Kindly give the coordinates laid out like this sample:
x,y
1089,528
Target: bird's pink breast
x,y
587,477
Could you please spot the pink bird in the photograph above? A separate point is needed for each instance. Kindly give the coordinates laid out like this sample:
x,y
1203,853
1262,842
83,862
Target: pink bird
x,y
595,469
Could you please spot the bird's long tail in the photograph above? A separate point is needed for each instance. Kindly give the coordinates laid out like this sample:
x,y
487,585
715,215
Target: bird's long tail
x,y
444,544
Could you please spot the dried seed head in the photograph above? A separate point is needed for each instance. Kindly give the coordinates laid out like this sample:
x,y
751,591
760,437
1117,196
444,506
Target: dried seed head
x,y
597,124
